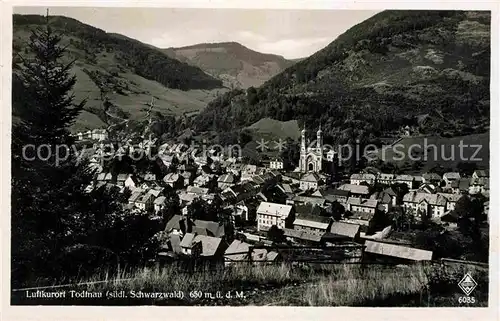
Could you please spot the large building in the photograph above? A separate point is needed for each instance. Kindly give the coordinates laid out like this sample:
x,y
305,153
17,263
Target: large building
x,y
311,158
269,214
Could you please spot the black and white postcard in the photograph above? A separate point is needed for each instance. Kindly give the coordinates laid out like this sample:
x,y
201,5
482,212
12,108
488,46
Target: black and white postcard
x,y
182,156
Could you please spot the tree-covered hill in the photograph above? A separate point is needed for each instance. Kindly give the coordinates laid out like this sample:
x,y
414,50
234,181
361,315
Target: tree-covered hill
x,y
426,69
124,71
236,65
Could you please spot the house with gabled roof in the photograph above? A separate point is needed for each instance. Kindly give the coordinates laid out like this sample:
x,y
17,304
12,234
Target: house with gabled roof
x,y
209,228
202,246
313,224
386,178
451,200
359,178
269,214
385,200
405,179
479,185
225,181
145,202
174,180
159,204
430,205
121,178
310,181
450,177
432,178
356,190
345,229
481,173
358,204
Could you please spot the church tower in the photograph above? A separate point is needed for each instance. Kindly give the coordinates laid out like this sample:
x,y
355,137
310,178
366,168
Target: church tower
x,y
319,149
303,150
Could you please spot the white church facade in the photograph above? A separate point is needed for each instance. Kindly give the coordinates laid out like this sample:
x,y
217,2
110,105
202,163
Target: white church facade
x,y
311,157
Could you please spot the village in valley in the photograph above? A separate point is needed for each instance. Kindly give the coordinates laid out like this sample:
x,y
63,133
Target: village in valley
x,y
216,207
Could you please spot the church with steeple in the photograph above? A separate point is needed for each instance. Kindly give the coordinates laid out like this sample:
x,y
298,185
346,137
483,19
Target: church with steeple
x,y
311,157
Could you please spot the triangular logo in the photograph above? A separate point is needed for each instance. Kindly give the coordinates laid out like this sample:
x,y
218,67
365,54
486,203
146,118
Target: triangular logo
x,y
467,284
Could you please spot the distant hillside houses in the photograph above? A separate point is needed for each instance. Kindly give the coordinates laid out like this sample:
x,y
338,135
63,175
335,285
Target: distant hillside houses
x,y
95,134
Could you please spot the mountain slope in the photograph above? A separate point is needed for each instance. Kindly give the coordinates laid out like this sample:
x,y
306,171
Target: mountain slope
x,y
123,71
382,74
236,65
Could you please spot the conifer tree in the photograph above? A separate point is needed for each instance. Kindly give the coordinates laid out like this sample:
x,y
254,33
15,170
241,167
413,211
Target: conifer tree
x,y
47,193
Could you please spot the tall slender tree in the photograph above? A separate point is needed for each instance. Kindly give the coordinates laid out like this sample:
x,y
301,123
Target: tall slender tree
x,y
47,181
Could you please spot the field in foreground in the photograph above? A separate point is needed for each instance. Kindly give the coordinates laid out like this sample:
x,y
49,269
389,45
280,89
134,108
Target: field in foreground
x,y
280,285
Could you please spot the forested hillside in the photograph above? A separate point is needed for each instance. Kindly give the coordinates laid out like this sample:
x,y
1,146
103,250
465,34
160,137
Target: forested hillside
x,y
118,75
426,69
236,65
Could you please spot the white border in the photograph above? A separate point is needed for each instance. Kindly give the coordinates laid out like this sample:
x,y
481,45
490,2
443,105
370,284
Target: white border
x,y
245,313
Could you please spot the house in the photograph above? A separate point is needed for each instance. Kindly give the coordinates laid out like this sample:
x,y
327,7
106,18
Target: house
x,y
301,200
107,177
174,180
331,195
460,186
405,179
431,178
450,177
198,191
302,236
237,251
392,193
240,251
385,200
145,202
203,180
149,177
358,204
248,172
366,220
225,181
269,214
481,173
451,200
317,225
178,225
430,205
356,190
121,178
386,179
349,230
239,211
187,176
131,182
479,185
357,179
209,228
310,181
428,188
135,196
202,245
276,163
166,160
159,204
394,252
99,134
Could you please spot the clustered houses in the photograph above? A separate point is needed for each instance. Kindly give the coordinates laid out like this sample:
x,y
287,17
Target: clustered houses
x,y
300,203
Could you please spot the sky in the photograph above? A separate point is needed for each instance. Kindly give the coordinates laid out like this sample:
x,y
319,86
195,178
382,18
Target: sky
x,y
289,33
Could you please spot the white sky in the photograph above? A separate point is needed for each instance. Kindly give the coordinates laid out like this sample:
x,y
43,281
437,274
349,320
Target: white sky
x,y
290,33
